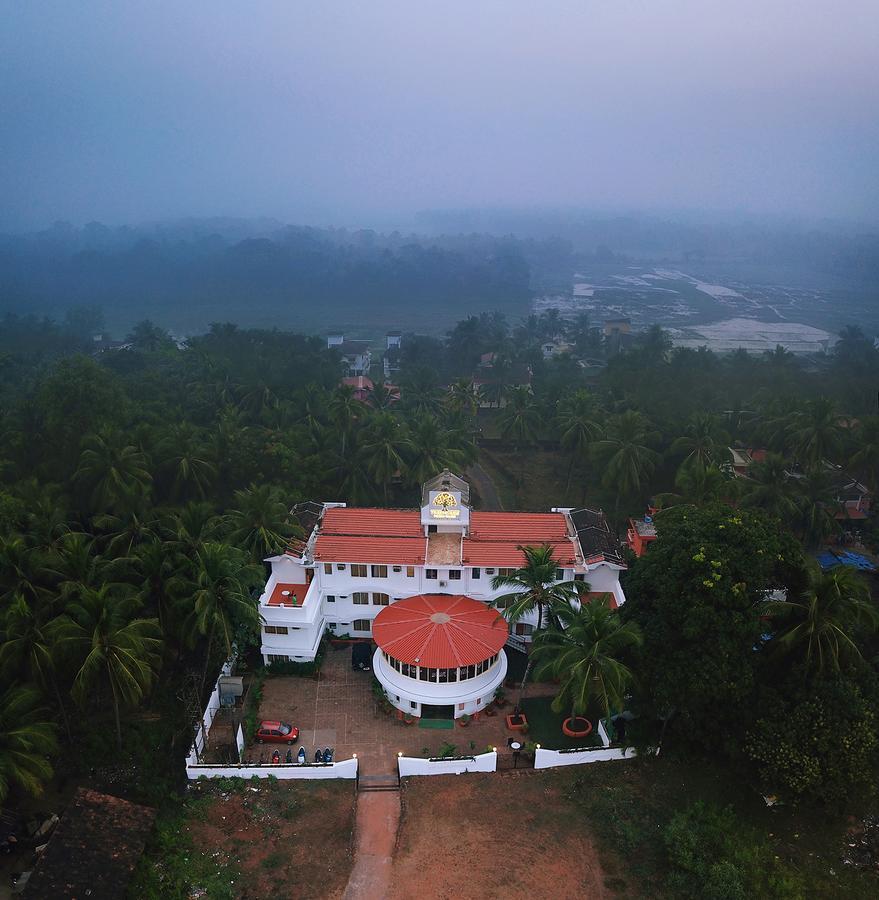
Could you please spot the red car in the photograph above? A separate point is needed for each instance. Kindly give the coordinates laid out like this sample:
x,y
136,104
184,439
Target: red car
x,y
277,733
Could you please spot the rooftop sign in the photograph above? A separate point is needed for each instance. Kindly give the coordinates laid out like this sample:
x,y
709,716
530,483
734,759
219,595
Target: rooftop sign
x,y
444,505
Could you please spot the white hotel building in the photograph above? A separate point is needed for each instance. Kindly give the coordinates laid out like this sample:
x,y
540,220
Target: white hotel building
x,y
440,649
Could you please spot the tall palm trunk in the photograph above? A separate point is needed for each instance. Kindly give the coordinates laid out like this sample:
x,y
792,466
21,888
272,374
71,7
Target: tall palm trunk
x,y
64,717
207,661
528,665
116,714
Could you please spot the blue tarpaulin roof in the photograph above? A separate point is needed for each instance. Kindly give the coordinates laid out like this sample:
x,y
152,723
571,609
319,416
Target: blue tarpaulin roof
x,y
830,559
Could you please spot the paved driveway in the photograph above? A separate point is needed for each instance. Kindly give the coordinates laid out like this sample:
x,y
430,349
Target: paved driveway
x,y
339,711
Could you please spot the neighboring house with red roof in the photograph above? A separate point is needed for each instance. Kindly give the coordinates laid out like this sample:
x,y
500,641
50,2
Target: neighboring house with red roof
x,y
356,562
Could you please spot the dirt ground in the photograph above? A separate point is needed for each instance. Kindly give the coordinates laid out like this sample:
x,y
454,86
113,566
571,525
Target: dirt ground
x,y
287,840
477,837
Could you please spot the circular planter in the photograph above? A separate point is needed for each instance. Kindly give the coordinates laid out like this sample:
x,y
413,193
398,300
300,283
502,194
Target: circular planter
x,y
577,727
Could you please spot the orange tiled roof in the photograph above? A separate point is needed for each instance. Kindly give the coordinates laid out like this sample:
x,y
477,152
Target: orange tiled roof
x,y
363,549
439,631
373,521
508,554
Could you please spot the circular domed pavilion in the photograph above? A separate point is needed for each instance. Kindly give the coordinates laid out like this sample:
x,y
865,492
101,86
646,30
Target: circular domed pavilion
x,y
439,656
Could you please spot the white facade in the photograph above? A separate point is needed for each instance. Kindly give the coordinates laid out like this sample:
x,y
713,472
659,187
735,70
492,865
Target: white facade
x,y
342,596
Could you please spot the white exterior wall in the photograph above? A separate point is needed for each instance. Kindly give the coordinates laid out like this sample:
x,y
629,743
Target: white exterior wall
x,y
346,768
468,697
308,622
412,765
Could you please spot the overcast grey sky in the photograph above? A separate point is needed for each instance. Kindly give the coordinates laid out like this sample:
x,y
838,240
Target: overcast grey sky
x,y
329,111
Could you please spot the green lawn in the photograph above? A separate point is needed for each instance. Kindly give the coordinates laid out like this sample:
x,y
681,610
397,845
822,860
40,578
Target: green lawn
x,y
545,727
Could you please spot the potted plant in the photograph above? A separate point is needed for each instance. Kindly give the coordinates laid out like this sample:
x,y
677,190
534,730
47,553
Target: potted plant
x,y
516,720
489,711
464,720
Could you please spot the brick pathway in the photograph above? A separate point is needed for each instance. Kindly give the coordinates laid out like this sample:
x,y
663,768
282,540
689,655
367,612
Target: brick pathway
x,y
340,711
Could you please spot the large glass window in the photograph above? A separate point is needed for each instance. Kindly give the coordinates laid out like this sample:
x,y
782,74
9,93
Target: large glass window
x,y
430,573
362,625
379,571
358,570
361,598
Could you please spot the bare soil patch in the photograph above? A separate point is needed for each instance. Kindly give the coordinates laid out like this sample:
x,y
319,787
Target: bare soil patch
x,y
248,839
494,836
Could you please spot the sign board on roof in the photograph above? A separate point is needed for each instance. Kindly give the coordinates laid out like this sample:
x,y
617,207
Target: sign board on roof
x,y
445,507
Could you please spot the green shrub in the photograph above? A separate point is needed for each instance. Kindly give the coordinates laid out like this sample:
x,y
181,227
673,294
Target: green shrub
x,y
712,856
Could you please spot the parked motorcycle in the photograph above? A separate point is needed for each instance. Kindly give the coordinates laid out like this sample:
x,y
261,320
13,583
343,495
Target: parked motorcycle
x,y
328,755
289,757
300,756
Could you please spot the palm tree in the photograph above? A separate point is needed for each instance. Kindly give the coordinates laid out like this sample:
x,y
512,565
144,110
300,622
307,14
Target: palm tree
x,y
27,648
22,570
219,581
420,391
315,408
74,566
110,647
188,528
519,420
816,502
703,441
27,738
630,461
699,486
817,626
259,522
384,446
769,487
344,410
114,472
150,569
186,462
578,426
584,654
865,459
431,450
815,432
463,397
535,588
122,533
381,396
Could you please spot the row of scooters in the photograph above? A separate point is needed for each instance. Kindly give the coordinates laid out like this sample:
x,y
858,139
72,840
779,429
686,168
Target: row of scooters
x,y
320,756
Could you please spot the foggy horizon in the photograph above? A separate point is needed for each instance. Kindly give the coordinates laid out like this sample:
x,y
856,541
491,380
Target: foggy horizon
x,y
371,116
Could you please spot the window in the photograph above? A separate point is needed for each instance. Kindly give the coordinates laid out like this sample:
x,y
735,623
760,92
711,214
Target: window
x,y
506,572
408,671
431,529
579,576
453,674
523,628
431,675
340,567
489,571
379,571
476,573
328,568
362,625
413,704
422,674
454,574
461,706
410,571
430,573
275,629
361,598
331,598
278,657
380,599
358,570
559,574
443,676
502,602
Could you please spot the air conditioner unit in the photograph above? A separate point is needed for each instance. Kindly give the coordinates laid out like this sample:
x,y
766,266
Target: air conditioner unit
x,y
443,584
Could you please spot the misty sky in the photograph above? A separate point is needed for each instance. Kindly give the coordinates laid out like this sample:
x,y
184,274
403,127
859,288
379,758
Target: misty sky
x,y
345,112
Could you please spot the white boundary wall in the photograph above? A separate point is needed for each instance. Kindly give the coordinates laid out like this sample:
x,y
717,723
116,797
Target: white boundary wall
x,y
346,768
547,759
413,765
